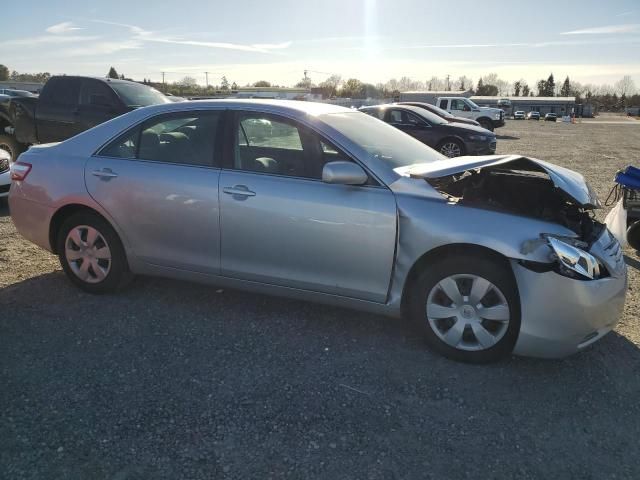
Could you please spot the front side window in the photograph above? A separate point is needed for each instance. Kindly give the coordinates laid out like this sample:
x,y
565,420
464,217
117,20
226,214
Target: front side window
x,y
96,94
188,138
270,144
457,105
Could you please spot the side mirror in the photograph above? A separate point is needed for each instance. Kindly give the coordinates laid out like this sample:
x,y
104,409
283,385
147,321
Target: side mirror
x,y
341,172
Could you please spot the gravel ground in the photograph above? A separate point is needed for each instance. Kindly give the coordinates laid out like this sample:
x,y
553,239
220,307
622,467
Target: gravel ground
x,y
175,380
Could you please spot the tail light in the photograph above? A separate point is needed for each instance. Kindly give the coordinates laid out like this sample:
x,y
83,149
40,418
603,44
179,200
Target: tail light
x,y
20,170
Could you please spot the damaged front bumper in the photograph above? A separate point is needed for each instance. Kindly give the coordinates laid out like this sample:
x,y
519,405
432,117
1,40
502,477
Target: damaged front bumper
x,y
561,315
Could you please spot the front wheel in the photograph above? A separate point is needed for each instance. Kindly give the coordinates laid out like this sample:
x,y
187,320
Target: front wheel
x,y
91,254
468,308
451,148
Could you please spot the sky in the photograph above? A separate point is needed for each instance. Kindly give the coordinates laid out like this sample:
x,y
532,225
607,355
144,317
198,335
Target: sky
x,y
373,40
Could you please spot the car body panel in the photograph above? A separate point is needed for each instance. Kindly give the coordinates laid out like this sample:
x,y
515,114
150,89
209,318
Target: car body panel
x,y
293,233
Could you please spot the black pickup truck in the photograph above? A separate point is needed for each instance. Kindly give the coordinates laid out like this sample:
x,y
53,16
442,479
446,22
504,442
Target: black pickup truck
x,y
67,106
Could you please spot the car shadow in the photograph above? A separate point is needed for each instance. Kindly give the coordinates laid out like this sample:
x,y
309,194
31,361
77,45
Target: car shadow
x,y
632,262
507,137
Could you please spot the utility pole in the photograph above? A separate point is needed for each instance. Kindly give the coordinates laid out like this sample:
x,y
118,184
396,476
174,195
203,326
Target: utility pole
x,y
448,84
206,76
163,87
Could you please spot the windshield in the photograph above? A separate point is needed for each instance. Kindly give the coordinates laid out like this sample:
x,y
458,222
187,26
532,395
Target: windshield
x,y
395,148
473,105
431,117
440,111
136,95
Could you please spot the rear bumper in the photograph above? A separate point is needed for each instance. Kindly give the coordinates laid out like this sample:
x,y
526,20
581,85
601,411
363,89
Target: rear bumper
x,y
561,316
31,219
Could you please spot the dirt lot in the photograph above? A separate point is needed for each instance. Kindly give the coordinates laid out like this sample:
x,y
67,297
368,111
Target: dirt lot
x,y
174,380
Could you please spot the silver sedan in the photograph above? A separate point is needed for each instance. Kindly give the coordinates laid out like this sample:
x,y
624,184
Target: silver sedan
x,y
485,255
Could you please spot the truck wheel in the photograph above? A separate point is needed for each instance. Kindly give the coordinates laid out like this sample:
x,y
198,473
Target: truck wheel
x,y
11,145
633,235
486,123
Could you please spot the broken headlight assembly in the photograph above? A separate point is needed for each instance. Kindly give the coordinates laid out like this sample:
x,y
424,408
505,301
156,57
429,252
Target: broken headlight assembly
x,y
573,261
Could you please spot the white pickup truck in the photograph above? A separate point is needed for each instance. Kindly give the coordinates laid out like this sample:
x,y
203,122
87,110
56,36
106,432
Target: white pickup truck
x,y
487,117
459,106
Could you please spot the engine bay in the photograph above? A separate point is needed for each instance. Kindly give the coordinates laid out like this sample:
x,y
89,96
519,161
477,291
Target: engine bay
x,y
520,192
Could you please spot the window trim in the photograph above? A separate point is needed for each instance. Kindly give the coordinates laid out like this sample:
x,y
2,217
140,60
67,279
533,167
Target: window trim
x,y
215,162
227,164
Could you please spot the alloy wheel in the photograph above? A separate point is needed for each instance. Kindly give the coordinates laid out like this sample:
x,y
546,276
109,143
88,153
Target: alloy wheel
x,y
87,254
451,149
468,312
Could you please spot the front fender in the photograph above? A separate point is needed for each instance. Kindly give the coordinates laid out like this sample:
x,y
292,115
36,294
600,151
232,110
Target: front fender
x,y
427,224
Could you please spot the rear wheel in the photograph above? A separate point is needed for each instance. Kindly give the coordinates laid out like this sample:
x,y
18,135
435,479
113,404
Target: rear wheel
x,y
633,235
451,148
468,308
91,254
12,146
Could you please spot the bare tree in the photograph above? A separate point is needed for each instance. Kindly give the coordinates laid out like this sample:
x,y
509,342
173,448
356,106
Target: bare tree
x,y
625,86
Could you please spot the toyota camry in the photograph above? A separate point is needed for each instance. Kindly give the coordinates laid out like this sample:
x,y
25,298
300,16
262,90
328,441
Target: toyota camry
x,y
487,255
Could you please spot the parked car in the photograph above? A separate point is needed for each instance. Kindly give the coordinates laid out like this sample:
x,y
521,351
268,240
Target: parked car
x,y
518,115
486,255
488,117
16,93
441,113
5,179
450,139
550,117
67,106
533,116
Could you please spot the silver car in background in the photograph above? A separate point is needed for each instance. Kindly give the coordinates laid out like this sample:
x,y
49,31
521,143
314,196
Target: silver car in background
x,y
485,255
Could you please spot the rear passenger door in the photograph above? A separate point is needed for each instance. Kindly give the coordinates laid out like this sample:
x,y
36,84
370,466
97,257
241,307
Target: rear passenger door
x,y
159,183
57,110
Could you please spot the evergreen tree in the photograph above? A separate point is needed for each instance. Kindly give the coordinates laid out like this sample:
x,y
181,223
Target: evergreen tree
x,y
113,73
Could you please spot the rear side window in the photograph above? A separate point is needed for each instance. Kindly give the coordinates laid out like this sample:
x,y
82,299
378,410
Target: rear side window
x,y
188,138
61,91
443,104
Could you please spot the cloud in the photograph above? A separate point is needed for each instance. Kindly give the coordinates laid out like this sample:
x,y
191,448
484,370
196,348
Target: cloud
x,y
141,34
64,27
47,40
102,48
609,29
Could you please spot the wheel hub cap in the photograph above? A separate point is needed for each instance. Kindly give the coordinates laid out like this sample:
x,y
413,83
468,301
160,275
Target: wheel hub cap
x,y
467,312
87,254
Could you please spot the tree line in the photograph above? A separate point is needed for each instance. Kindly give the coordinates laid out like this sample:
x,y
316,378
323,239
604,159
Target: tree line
x,y
607,97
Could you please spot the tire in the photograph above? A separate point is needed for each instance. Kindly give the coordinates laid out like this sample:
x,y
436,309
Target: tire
x,y
486,124
451,147
455,337
108,270
633,235
11,145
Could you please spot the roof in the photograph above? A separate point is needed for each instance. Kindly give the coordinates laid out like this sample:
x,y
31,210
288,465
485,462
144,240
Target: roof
x,y
530,99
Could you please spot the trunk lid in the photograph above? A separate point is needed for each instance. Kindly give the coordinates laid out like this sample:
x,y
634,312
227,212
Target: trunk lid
x,y
571,183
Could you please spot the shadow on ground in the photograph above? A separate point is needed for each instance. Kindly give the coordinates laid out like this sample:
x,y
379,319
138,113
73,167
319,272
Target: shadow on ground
x,y
168,379
507,137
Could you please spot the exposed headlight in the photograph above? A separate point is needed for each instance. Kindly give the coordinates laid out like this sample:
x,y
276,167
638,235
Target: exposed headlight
x,y
497,116
477,138
574,262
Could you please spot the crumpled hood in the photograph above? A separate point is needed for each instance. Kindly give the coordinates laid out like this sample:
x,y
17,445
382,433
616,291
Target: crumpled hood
x,y
571,183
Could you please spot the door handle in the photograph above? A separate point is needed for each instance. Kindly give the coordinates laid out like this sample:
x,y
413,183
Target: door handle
x,y
104,173
241,190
